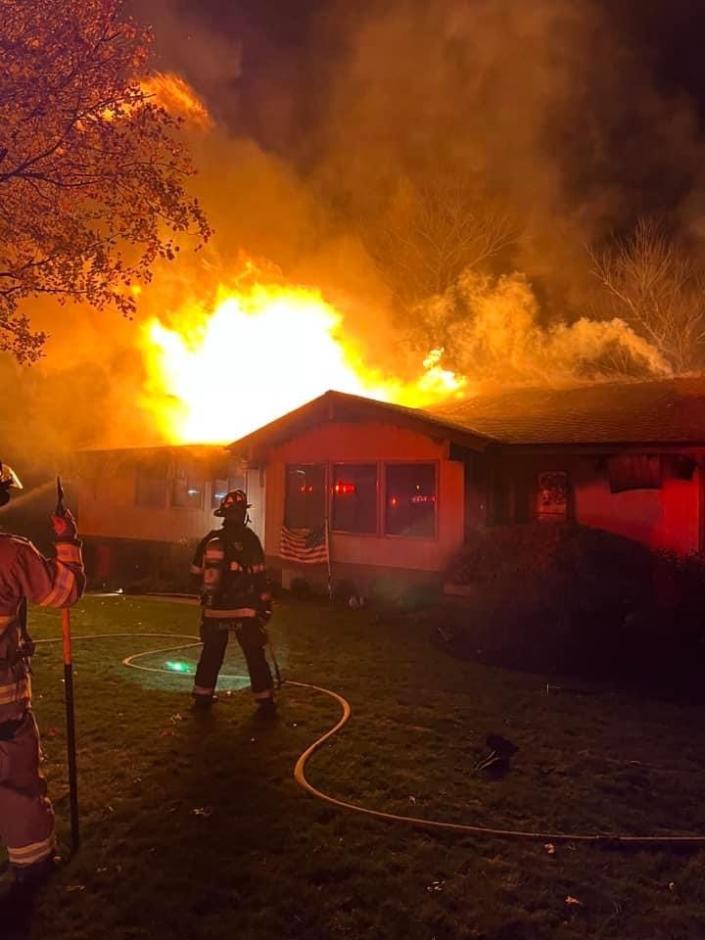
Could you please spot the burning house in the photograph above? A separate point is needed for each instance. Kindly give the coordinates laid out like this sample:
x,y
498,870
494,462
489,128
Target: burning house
x,y
142,509
374,490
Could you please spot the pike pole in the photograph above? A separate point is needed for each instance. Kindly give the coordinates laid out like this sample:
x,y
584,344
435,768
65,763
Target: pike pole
x,y
69,701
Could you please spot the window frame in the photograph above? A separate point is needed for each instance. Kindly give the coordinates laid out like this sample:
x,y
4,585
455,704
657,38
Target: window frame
x,y
437,505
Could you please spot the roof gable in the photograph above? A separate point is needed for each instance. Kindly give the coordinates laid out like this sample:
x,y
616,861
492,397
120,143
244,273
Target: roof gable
x,y
339,406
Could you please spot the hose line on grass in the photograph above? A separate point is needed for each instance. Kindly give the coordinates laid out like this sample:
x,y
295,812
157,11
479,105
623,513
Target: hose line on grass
x,y
605,840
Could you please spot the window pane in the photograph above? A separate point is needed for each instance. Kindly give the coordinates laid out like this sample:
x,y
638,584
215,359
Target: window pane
x,y
187,489
355,497
151,485
411,499
305,496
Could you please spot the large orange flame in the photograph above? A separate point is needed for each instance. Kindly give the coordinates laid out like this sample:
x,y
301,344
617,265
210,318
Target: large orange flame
x,y
265,349
175,95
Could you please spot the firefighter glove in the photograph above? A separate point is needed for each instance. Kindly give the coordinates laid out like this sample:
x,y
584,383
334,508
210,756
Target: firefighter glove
x,y
65,529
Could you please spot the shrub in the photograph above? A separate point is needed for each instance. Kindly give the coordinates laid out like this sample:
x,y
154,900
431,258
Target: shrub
x,y
567,597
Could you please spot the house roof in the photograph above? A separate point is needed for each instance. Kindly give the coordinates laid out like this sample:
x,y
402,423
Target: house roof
x,y
659,412
339,406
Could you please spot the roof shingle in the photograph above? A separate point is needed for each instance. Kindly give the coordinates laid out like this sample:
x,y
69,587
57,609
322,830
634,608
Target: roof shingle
x,y
664,411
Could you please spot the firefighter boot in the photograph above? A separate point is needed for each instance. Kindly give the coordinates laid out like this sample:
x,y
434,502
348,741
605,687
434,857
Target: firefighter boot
x,y
17,896
266,709
202,703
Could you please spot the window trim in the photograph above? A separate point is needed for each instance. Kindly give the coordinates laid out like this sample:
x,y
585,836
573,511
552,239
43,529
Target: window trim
x,y
436,463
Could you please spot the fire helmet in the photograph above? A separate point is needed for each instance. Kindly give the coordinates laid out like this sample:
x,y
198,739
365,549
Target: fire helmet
x,y
8,479
233,505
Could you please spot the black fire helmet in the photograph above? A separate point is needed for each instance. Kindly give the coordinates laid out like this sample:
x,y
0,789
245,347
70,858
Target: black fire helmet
x,y
233,503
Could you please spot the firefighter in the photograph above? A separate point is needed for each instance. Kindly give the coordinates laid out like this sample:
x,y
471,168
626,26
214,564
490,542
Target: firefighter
x,y
229,572
26,815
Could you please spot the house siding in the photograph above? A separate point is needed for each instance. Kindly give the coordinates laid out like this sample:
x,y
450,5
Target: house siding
x,y
339,442
668,518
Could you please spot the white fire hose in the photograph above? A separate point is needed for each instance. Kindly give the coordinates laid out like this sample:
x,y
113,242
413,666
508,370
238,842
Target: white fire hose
x,y
605,840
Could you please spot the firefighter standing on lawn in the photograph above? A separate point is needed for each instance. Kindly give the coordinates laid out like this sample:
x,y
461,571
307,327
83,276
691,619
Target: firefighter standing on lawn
x,y
26,815
229,570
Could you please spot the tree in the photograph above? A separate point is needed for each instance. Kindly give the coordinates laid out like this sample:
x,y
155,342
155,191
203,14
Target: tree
x,y
432,232
658,287
91,169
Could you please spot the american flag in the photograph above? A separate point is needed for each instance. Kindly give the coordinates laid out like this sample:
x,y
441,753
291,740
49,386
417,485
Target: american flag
x,y
307,546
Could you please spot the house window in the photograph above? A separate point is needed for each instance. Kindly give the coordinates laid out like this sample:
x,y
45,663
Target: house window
x,y
410,500
552,496
187,489
151,485
221,487
634,472
305,496
355,498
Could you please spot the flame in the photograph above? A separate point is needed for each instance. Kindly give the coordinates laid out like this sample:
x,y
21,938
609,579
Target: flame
x,y
170,92
177,97
265,349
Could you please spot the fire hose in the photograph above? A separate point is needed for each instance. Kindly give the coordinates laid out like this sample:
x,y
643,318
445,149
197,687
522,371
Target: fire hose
x,y
600,840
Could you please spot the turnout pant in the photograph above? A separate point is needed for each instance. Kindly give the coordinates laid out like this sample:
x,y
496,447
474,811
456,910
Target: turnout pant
x,y
26,815
252,639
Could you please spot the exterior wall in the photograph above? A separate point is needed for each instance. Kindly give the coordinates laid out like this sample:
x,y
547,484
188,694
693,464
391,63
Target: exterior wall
x,y
128,543
110,511
369,442
666,518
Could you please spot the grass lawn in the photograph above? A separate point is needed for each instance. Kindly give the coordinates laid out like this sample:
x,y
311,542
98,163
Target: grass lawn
x,y
194,828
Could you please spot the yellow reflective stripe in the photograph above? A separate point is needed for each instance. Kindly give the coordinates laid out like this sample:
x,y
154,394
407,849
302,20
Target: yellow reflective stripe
x,y
66,551
196,570
16,691
261,696
29,854
202,690
229,614
63,586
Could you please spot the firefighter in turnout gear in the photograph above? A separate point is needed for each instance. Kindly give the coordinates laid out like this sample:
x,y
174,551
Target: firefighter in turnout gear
x,y
26,815
235,596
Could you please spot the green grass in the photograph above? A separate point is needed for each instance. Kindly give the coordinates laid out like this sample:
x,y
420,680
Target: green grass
x,y
266,861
